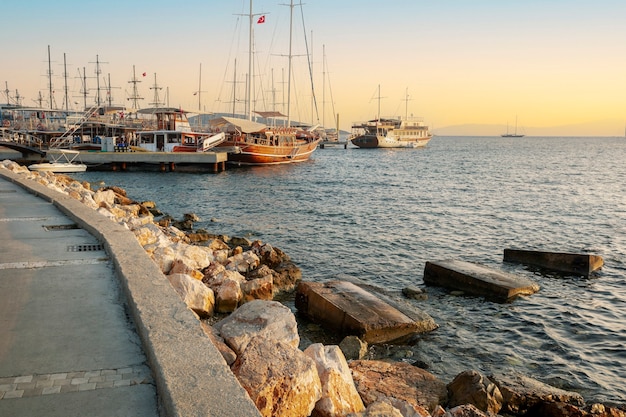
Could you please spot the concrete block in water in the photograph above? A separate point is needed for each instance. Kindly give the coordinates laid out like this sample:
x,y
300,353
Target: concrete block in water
x,y
476,279
572,263
350,310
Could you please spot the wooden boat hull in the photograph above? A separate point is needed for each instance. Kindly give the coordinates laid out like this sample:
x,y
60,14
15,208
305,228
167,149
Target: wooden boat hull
x,y
259,154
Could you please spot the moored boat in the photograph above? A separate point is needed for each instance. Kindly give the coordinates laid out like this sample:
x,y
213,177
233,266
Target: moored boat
x,y
174,134
259,144
61,161
391,133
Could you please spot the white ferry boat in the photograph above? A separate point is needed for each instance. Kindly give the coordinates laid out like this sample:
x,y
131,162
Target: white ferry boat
x,y
408,132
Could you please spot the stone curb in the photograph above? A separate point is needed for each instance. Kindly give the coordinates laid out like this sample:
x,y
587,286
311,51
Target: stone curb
x,y
191,376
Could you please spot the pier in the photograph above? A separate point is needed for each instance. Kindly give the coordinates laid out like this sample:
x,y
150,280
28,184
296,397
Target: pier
x,y
161,161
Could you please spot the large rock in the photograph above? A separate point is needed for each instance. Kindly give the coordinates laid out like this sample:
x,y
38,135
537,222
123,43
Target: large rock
x,y
258,289
339,395
350,310
476,279
258,318
520,393
280,379
470,387
228,296
194,293
377,380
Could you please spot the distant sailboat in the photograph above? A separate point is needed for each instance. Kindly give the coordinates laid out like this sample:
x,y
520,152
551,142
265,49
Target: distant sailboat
x,y
514,134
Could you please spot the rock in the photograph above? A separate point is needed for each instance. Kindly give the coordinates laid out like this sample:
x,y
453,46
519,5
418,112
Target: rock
x,y
353,347
555,409
470,387
350,310
478,280
415,293
466,410
240,241
339,395
227,353
194,293
227,296
215,274
377,380
243,262
180,267
258,289
380,409
280,379
520,393
258,318
104,198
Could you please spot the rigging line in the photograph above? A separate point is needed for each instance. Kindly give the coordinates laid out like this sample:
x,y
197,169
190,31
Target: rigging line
x,y
330,87
308,57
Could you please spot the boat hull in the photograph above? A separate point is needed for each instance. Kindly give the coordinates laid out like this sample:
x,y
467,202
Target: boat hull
x,y
259,154
58,167
374,141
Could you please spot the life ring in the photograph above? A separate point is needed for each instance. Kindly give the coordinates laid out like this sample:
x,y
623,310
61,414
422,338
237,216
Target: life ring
x,y
6,123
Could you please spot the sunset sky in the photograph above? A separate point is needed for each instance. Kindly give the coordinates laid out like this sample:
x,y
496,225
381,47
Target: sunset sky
x,y
550,63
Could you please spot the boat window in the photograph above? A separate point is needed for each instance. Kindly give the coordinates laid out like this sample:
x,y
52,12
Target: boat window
x,y
146,139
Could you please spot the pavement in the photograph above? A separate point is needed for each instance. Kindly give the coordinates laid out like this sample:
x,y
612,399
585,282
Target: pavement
x,y
88,323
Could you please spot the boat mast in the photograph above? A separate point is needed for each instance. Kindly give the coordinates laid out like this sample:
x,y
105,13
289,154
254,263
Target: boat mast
x,y
50,78
250,66
290,59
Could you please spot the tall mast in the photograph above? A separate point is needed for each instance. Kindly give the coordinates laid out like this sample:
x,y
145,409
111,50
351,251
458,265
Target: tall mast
x,y
289,69
67,103
135,97
250,66
50,78
200,88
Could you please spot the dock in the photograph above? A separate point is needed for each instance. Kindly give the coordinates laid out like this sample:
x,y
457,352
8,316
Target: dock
x,y
161,161
569,263
333,144
478,280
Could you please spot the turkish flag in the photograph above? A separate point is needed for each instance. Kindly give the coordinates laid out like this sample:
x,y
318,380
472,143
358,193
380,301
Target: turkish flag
x,y
144,74
261,19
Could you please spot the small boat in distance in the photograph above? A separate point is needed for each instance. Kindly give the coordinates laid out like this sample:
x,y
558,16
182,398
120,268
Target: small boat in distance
x,y
61,161
514,134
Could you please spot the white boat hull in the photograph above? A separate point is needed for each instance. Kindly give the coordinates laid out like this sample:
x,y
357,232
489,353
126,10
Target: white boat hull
x,y
59,167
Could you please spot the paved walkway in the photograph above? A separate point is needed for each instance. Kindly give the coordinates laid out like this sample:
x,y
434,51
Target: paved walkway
x,y
67,345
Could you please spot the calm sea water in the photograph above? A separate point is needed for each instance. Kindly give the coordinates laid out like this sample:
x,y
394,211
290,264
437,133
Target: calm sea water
x,y
379,215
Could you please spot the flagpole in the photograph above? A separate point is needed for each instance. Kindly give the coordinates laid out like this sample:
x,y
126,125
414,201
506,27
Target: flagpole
x,y
250,57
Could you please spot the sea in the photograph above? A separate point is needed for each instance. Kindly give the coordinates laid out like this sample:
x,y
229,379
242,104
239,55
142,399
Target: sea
x,y
376,216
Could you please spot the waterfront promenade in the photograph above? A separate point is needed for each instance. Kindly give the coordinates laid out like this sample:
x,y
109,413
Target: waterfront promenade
x,y
90,326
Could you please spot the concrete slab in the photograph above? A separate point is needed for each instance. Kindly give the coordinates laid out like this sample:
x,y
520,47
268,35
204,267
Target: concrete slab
x,y
476,279
569,263
350,310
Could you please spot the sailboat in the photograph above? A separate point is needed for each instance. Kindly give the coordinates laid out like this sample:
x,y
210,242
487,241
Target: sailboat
x,y
259,144
514,134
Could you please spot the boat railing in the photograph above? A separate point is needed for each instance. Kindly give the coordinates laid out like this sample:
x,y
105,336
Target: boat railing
x,y
67,137
22,138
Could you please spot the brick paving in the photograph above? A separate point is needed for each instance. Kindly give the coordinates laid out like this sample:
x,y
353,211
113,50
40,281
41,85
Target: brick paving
x,y
58,383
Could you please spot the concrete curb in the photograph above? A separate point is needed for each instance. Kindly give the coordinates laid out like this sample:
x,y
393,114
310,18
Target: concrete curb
x,y
191,376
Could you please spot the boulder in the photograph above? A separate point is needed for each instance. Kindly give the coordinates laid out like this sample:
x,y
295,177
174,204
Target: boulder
x,y
520,393
104,198
339,395
478,280
353,347
280,379
350,310
228,296
258,289
180,267
377,380
243,262
471,387
258,318
227,353
194,293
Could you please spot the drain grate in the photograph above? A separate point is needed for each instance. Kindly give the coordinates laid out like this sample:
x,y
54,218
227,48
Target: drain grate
x,y
61,227
84,248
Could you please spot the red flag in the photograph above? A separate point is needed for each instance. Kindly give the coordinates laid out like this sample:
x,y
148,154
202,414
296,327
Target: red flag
x,y
261,19
144,74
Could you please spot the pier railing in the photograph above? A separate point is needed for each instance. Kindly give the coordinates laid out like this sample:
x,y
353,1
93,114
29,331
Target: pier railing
x,y
67,137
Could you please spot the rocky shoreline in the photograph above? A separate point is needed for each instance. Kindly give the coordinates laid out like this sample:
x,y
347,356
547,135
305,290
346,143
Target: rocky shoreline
x,y
233,284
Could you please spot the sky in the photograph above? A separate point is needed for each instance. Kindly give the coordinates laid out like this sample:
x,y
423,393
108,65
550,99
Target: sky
x,y
464,66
